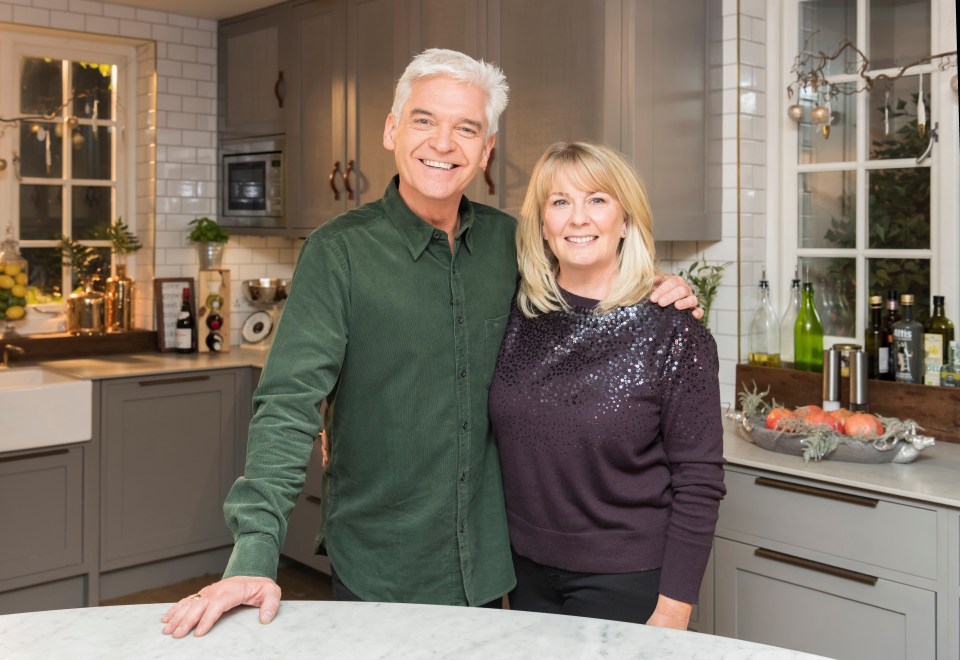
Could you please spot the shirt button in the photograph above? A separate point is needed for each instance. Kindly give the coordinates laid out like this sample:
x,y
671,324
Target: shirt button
x,y
460,320
461,529
463,373
464,425
463,476
436,234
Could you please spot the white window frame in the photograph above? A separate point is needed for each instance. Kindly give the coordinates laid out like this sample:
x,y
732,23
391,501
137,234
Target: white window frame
x,y
16,42
944,252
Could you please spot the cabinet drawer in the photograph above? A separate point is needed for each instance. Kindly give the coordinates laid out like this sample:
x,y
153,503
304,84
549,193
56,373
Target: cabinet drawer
x,y
302,534
890,535
41,512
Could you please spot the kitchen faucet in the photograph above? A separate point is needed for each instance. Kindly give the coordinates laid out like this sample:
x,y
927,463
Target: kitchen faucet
x,y
7,350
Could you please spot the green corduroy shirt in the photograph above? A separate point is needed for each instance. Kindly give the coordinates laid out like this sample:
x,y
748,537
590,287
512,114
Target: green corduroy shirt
x,y
401,336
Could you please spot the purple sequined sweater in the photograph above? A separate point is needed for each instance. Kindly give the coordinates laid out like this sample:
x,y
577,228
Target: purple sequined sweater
x,y
610,441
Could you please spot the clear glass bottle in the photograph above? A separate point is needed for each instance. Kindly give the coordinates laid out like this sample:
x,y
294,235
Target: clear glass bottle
x,y
764,338
789,319
908,344
940,325
891,316
808,334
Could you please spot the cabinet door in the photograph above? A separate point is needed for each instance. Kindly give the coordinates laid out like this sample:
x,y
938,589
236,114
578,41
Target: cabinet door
x,y
251,73
167,461
316,125
562,61
378,50
772,600
41,512
304,521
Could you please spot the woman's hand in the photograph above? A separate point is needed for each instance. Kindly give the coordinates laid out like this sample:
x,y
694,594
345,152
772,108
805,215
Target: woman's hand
x,y
201,610
670,613
674,290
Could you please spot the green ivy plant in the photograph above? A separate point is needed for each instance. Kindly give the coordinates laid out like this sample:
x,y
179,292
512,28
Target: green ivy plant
x,y
704,278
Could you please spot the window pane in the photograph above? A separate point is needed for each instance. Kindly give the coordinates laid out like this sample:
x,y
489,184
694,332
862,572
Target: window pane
x,y
824,24
41,85
41,149
899,32
841,143
41,212
93,91
45,270
827,210
893,119
899,208
904,276
834,292
92,208
92,152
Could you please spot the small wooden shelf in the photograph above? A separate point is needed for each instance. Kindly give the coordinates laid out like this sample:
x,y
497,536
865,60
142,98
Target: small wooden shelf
x,y
58,345
936,409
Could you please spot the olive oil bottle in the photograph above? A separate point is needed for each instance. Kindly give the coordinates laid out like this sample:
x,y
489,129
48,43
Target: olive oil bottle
x,y
764,335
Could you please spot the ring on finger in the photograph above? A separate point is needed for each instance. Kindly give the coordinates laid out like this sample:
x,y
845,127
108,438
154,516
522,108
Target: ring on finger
x,y
195,597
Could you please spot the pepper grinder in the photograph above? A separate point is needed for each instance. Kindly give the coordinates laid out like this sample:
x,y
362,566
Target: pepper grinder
x,y
831,379
858,381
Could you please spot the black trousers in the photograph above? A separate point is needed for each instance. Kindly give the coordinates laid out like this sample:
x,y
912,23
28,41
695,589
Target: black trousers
x,y
341,593
630,597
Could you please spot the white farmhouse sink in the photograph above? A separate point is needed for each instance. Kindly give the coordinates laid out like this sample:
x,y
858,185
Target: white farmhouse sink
x,y
41,408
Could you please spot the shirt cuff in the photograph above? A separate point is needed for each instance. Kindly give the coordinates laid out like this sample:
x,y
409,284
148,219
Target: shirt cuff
x,y
253,555
681,573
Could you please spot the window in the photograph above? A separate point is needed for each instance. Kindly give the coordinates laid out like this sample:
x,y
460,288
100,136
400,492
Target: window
x,y
67,152
862,215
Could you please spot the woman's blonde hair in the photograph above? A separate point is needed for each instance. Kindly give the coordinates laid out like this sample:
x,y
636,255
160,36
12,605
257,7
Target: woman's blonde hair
x,y
596,168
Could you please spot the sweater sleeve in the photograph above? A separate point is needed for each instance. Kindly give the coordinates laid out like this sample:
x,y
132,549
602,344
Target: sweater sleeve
x,y
693,442
302,369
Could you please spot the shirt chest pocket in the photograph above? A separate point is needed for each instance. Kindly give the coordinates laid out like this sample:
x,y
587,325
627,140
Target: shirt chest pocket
x,y
493,330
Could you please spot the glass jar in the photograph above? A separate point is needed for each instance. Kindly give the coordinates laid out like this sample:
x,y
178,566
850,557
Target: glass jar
x,y
13,284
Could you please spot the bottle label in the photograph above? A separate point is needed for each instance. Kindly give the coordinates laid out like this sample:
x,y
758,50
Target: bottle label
x,y
183,339
884,360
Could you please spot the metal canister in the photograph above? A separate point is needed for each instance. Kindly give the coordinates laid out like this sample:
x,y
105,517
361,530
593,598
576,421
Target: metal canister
x,y
119,301
844,350
85,313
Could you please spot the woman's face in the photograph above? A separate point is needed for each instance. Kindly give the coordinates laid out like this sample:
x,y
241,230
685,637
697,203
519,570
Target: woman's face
x,y
583,229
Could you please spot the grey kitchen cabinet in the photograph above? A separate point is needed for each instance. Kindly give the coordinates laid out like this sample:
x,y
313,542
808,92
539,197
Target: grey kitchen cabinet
x,y
252,63
168,457
304,522
45,557
833,571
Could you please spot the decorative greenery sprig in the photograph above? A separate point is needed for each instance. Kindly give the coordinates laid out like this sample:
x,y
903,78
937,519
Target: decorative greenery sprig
x,y
705,279
83,259
122,240
206,230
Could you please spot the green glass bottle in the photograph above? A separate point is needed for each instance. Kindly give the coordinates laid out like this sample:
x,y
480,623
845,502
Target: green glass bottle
x,y
808,334
940,325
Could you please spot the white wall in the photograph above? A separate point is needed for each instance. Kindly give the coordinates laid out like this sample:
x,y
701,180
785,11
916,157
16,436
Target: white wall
x,y
177,144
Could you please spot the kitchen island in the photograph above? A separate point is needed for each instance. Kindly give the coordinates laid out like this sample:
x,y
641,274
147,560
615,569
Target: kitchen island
x,y
355,631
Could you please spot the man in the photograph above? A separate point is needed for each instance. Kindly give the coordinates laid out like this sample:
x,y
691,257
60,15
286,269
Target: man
x,y
395,317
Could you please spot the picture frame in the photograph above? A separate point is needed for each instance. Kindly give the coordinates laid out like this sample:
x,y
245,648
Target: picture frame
x,y
167,298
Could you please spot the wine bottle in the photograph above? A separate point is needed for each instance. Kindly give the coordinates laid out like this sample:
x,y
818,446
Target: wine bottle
x,y
789,319
808,334
878,350
886,329
215,342
940,325
764,338
908,344
183,337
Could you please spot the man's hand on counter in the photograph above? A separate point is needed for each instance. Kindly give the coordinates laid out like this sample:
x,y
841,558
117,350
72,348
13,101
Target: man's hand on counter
x,y
201,610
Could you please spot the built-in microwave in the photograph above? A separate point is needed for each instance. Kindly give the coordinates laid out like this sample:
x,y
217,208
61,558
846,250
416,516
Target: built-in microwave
x,y
252,183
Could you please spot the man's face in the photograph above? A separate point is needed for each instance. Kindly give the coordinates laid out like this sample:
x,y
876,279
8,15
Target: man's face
x,y
439,142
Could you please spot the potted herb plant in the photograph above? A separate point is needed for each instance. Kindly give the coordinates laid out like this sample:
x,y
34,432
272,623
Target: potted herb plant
x,y
704,279
210,239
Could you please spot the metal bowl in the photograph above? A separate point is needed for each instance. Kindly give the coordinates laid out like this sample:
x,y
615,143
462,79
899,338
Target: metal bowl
x,y
265,290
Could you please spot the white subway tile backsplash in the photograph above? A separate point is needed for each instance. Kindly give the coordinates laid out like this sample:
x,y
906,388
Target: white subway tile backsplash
x,y
182,21
102,25
168,33
182,52
6,12
150,16
199,37
199,138
31,16
119,11
198,71
62,20
184,120
207,89
198,206
187,88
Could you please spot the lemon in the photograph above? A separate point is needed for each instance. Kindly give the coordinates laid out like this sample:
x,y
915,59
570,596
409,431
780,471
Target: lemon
x,y
20,278
15,312
19,290
6,282
11,269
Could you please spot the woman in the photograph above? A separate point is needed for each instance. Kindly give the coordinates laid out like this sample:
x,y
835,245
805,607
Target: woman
x,y
606,407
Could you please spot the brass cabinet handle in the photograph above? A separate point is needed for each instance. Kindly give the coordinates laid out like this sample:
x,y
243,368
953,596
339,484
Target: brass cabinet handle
x,y
486,172
809,564
36,454
333,183
817,492
173,381
277,89
346,179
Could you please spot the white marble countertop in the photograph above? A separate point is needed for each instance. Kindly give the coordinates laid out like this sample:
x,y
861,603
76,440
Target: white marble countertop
x,y
358,631
153,364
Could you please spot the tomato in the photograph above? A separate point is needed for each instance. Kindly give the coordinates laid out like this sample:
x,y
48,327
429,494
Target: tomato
x,y
863,425
841,415
777,417
803,411
817,417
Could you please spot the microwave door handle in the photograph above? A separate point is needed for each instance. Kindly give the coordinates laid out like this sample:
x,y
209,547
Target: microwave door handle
x,y
346,179
333,183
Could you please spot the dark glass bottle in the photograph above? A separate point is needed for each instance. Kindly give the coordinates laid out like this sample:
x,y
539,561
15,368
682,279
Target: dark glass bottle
x,y
940,325
891,316
214,321
215,342
878,350
808,334
908,344
185,325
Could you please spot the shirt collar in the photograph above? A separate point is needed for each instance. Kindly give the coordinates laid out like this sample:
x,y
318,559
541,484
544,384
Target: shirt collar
x,y
416,232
